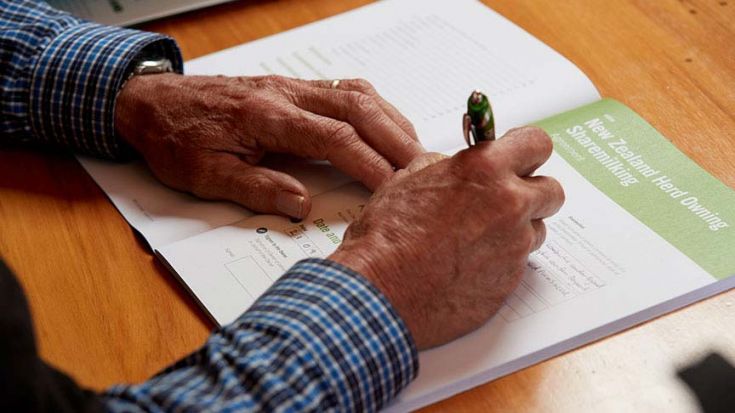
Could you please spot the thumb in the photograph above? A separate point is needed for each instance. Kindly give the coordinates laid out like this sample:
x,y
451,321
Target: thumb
x,y
257,188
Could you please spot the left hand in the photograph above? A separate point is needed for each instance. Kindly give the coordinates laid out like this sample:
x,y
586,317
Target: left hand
x,y
207,134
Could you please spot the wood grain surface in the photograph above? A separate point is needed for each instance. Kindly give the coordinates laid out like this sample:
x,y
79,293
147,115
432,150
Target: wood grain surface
x,y
107,312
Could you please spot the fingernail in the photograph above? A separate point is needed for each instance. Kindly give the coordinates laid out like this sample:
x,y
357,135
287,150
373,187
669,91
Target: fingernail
x,y
291,204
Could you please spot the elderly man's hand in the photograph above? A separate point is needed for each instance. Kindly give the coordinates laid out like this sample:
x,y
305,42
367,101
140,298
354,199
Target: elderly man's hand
x,y
446,240
206,134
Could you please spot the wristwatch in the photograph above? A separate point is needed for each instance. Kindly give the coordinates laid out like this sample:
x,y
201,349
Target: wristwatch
x,y
147,66
151,66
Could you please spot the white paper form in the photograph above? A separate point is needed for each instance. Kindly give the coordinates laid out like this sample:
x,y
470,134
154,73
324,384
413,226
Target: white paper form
x,y
230,267
425,57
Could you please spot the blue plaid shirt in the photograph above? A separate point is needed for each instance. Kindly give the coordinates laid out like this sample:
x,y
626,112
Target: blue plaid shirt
x,y
322,338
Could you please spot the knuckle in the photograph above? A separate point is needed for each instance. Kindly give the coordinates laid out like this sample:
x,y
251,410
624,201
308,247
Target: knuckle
x,y
362,103
528,240
317,134
538,139
269,81
540,236
377,169
561,193
476,165
559,196
362,85
252,185
424,160
490,167
552,192
533,138
408,127
340,134
514,202
515,205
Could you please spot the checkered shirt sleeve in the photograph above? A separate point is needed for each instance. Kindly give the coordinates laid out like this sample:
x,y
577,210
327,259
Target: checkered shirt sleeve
x,y
59,77
320,339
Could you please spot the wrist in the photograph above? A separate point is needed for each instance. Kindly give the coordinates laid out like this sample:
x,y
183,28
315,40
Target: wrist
x,y
84,122
383,271
362,264
135,104
148,64
127,105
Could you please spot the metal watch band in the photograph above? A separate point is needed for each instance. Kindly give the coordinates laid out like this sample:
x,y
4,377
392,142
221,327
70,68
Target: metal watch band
x,y
150,66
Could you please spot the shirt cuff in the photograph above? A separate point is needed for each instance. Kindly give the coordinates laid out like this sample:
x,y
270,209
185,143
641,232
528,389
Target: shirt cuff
x,y
353,332
75,82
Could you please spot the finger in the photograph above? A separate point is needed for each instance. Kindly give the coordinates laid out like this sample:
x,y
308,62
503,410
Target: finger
x,y
423,161
547,196
338,142
526,149
257,188
367,117
361,85
539,228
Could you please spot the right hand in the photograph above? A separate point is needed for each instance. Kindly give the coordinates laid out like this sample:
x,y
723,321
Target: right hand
x,y
447,240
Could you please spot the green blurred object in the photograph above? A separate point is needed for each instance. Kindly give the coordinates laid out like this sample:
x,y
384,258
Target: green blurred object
x,y
478,124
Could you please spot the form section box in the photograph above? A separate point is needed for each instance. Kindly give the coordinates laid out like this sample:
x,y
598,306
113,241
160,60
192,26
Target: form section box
x,y
250,275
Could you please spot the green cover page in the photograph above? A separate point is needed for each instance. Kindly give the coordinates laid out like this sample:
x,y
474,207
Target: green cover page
x,y
633,164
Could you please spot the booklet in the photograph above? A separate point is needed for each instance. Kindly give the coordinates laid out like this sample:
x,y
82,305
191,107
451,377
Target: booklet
x,y
644,230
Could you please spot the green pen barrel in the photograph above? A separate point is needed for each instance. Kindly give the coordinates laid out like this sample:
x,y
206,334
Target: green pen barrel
x,y
481,115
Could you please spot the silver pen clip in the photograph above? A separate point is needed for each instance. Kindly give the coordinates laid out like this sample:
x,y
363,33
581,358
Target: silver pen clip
x,y
468,129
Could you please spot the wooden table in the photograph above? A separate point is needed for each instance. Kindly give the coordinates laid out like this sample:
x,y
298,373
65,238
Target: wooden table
x,y
107,312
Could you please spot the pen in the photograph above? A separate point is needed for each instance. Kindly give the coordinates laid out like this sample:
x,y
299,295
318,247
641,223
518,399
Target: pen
x,y
478,121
